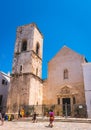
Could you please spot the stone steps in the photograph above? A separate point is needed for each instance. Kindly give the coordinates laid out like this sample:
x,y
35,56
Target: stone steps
x,y
41,119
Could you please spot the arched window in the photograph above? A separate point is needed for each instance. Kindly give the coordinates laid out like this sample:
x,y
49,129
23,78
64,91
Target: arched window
x,y
24,45
20,68
37,48
65,74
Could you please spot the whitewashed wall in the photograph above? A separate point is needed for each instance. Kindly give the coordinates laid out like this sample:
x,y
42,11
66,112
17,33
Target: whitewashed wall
x,y
4,88
87,85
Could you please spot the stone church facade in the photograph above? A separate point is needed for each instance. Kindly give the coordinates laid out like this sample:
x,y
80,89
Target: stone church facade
x,y
65,82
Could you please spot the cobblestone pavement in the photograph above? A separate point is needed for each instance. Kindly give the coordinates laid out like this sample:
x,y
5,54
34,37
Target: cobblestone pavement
x,y
13,125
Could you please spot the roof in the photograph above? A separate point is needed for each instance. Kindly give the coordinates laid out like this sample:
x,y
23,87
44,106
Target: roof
x,y
4,74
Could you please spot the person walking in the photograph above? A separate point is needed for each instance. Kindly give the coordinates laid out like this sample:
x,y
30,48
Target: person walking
x,y
34,119
19,114
51,119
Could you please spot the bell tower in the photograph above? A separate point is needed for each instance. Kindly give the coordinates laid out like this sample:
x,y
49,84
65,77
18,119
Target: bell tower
x,y
28,51
26,82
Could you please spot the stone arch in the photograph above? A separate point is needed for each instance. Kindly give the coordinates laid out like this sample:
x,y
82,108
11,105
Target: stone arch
x,y
24,45
37,48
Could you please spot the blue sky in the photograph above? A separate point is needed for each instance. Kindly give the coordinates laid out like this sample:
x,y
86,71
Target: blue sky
x,y
62,22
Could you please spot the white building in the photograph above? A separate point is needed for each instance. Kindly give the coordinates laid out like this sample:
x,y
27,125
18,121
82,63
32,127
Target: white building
x,y
87,85
4,88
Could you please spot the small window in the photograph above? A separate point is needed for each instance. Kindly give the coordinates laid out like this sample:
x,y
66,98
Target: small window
x,y
65,74
21,68
24,45
37,71
37,49
58,100
3,81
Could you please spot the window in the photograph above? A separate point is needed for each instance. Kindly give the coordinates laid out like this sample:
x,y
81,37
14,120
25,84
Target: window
x,y
24,45
37,71
37,49
3,81
58,100
21,68
65,74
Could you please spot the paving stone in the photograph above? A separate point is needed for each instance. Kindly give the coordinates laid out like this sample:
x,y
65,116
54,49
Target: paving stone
x,y
13,125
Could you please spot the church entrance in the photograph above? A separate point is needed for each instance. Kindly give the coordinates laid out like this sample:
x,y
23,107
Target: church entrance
x,y
66,106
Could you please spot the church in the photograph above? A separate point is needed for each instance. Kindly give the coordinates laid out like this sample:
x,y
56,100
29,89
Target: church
x,y
66,88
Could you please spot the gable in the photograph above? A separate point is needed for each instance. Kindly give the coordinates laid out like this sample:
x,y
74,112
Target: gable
x,y
67,54
67,90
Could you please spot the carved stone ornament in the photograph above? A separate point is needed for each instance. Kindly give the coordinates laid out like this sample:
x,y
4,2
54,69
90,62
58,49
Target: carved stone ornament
x,y
65,90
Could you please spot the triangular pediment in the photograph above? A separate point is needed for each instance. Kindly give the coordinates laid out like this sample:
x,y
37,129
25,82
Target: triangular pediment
x,y
66,90
66,53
